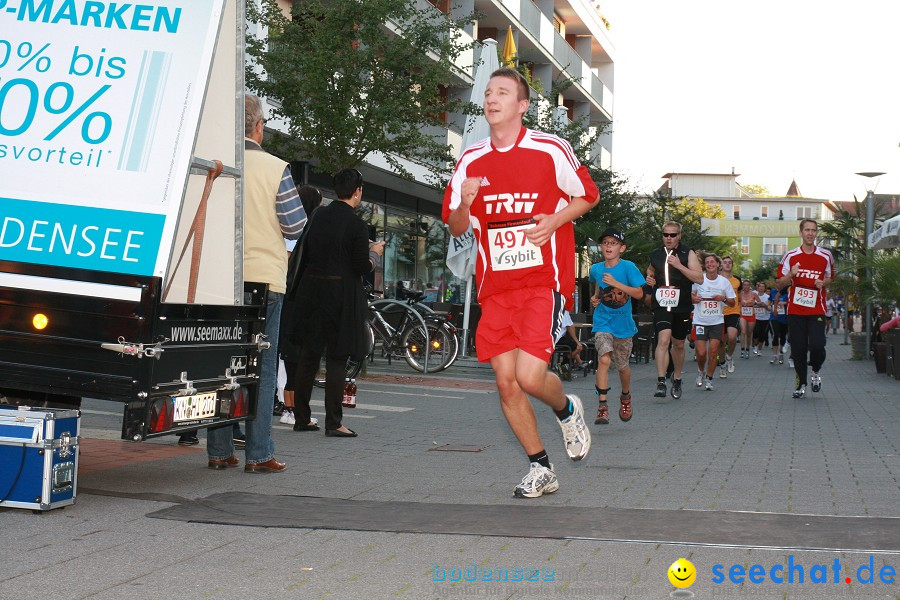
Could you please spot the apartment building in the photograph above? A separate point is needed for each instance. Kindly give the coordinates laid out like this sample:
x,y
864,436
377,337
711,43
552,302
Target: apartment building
x,y
554,38
764,227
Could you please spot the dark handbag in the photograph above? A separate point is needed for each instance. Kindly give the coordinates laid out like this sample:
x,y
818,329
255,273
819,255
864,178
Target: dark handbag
x,y
296,265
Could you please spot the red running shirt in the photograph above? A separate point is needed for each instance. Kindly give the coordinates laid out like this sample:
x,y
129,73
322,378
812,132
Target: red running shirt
x,y
803,297
539,174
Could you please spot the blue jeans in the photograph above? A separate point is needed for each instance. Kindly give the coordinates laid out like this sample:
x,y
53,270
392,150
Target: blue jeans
x,y
260,446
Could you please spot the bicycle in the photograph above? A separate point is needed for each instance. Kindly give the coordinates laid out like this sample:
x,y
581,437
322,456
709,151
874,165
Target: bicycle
x,y
400,331
398,325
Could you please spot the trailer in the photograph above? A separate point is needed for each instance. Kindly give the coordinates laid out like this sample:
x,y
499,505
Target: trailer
x,y
121,153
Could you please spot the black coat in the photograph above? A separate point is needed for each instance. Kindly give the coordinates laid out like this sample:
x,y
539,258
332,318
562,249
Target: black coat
x,y
331,309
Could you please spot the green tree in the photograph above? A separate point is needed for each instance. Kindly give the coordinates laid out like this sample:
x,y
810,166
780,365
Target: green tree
x,y
351,78
764,271
618,205
757,190
657,210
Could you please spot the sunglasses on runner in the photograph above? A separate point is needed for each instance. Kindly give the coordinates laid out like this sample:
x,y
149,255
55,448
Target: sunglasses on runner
x,y
667,234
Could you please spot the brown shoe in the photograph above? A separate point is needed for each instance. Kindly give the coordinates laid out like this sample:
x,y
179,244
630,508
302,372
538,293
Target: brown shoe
x,y
602,414
225,463
625,410
270,466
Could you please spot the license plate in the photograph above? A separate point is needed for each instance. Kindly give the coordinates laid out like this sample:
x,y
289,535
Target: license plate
x,y
199,406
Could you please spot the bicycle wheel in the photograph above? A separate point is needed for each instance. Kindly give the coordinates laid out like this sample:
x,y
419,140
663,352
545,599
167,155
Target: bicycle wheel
x,y
442,348
353,366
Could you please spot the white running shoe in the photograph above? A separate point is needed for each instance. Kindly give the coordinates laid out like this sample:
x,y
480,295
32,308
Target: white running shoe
x,y
539,481
791,363
723,372
729,361
700,377
816,382
287,417
799,392
576,435
756,351
774,358
709,384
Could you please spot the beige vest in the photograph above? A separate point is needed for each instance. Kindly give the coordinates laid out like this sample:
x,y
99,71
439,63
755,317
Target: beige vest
x,y
265,256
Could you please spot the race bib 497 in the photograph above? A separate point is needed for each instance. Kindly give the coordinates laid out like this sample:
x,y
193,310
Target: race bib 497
x,y
510,249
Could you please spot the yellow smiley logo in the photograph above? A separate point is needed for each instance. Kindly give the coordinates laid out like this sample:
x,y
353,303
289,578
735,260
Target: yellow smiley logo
x,y
682,573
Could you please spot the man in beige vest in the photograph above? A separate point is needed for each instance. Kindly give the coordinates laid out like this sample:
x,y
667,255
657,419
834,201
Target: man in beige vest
x,y
272,212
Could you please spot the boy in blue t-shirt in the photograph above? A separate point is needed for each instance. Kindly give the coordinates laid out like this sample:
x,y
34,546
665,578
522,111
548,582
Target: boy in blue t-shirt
x,y
617,282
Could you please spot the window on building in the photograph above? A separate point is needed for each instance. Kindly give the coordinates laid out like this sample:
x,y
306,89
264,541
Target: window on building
x,y
804,212
774,246
763,212
736,211
745,244
559,25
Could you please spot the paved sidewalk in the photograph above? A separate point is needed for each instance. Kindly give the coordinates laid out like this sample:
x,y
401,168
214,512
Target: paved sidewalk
x,y
747,446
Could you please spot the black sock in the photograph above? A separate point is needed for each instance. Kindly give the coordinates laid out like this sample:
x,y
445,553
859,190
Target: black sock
x,y
566,412
541,458
661,379
676,380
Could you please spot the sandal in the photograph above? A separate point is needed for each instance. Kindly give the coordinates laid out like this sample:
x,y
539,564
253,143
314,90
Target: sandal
x,y
625,409
602,414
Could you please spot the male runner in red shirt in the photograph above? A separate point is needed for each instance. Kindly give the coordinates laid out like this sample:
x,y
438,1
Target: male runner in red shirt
x,y
807,269
520,190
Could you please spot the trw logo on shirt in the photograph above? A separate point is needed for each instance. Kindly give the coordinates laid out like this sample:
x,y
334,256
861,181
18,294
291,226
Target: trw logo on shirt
x,y
809,274
496,204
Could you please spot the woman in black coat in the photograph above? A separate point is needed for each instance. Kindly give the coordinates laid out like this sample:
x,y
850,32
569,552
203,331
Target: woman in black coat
x,y
331,304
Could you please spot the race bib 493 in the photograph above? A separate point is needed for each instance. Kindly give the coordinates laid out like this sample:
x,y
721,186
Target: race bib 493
x,y
805,297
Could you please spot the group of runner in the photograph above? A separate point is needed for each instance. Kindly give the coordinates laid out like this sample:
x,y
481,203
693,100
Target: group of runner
x,y
725,309
519,190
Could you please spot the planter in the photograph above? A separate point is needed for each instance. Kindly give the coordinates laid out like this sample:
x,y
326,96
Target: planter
x,y
880,350
892,339
858,345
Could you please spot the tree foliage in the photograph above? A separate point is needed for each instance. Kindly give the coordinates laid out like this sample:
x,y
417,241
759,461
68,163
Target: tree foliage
x,y
618,204
764,271
657,210
760,191
353,77
640,218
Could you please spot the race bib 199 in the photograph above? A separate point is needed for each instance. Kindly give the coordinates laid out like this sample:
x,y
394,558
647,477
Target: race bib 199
x,y
805,297
668,296
509,247
710,308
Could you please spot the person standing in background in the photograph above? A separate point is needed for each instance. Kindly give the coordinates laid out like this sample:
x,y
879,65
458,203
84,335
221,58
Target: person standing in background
x,y
331,304
272,212
311,198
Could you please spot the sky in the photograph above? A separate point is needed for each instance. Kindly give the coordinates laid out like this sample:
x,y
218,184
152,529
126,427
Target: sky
x,y
778,90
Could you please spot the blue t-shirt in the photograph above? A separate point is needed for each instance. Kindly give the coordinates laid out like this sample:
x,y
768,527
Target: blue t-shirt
x,y
780,300
613,314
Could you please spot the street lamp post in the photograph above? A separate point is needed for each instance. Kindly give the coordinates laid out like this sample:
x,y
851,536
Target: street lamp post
x,y
872,176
